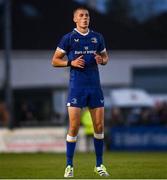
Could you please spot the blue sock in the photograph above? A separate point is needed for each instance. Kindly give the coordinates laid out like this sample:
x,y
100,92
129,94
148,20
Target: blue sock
x,y
70,152
98,143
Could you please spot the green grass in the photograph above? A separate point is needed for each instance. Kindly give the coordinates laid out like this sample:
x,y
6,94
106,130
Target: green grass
x,y
121,165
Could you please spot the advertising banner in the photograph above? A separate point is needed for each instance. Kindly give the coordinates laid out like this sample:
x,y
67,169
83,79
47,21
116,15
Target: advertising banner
x,y
37,140
138,138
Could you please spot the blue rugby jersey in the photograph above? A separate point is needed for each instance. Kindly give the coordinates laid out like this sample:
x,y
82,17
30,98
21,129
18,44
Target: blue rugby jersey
x,y
75,44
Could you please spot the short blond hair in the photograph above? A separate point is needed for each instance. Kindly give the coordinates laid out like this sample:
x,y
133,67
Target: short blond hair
x,y
80,8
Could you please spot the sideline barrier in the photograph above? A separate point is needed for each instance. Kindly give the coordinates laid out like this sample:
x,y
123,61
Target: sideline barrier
x,y
138,138
37,140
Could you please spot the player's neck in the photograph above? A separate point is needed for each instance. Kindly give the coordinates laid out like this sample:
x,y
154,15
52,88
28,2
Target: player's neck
x,y
83,31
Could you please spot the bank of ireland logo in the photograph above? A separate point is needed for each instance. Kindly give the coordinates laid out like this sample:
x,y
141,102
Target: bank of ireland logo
x,y
74,101
94,40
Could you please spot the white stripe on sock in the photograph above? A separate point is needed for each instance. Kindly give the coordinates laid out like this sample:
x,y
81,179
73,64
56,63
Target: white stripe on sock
x,y
99,136
71,138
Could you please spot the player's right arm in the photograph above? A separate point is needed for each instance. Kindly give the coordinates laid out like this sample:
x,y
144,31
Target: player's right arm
x,y
59,61
63,47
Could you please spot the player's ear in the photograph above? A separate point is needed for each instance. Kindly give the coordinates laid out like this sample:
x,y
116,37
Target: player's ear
x,y
74,19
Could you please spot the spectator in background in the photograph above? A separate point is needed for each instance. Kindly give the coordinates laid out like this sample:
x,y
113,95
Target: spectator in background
x,y
4,115
27,111
116,117
145,117
134,117
155,114
163,114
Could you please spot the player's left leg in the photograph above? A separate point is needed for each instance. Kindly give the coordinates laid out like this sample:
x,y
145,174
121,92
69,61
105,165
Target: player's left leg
x,y
97,115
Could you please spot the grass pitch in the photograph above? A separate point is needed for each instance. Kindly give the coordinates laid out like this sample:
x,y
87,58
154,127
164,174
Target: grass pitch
x,y
120,165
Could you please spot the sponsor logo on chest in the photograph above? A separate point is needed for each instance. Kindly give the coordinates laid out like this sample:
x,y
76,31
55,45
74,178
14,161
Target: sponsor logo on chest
x,y
87,49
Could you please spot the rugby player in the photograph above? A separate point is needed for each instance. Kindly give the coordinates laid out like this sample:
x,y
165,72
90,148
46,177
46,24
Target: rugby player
x,y
85,50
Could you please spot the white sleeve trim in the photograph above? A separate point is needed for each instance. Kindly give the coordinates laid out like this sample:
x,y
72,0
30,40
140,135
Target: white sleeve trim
x,y
62,50
104,50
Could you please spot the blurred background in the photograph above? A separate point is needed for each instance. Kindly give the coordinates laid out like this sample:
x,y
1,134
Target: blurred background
x,y
33,115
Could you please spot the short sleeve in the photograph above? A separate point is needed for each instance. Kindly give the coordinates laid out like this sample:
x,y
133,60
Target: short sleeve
x,y
64,44
102,47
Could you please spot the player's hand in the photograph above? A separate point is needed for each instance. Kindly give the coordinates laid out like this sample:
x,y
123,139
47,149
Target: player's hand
x,y
78,62
98,58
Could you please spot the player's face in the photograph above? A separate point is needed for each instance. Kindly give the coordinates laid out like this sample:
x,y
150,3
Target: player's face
x,y
82,18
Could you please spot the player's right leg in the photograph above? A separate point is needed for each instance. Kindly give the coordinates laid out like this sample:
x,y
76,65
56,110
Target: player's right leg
x,y
74,124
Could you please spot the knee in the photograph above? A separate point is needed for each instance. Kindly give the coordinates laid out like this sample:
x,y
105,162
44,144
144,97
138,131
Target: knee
x,y
73,130
99,128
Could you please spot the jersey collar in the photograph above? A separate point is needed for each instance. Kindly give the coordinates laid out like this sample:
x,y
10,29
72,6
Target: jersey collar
x,y
83,34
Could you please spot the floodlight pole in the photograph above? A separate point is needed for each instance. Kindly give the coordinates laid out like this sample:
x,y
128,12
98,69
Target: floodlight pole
x,y
7,54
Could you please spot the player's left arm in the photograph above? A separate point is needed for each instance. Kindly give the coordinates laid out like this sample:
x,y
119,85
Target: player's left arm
x,y
102,58
101,55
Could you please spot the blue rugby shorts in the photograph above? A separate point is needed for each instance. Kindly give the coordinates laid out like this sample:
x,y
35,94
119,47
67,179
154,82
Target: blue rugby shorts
x,y
85,97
